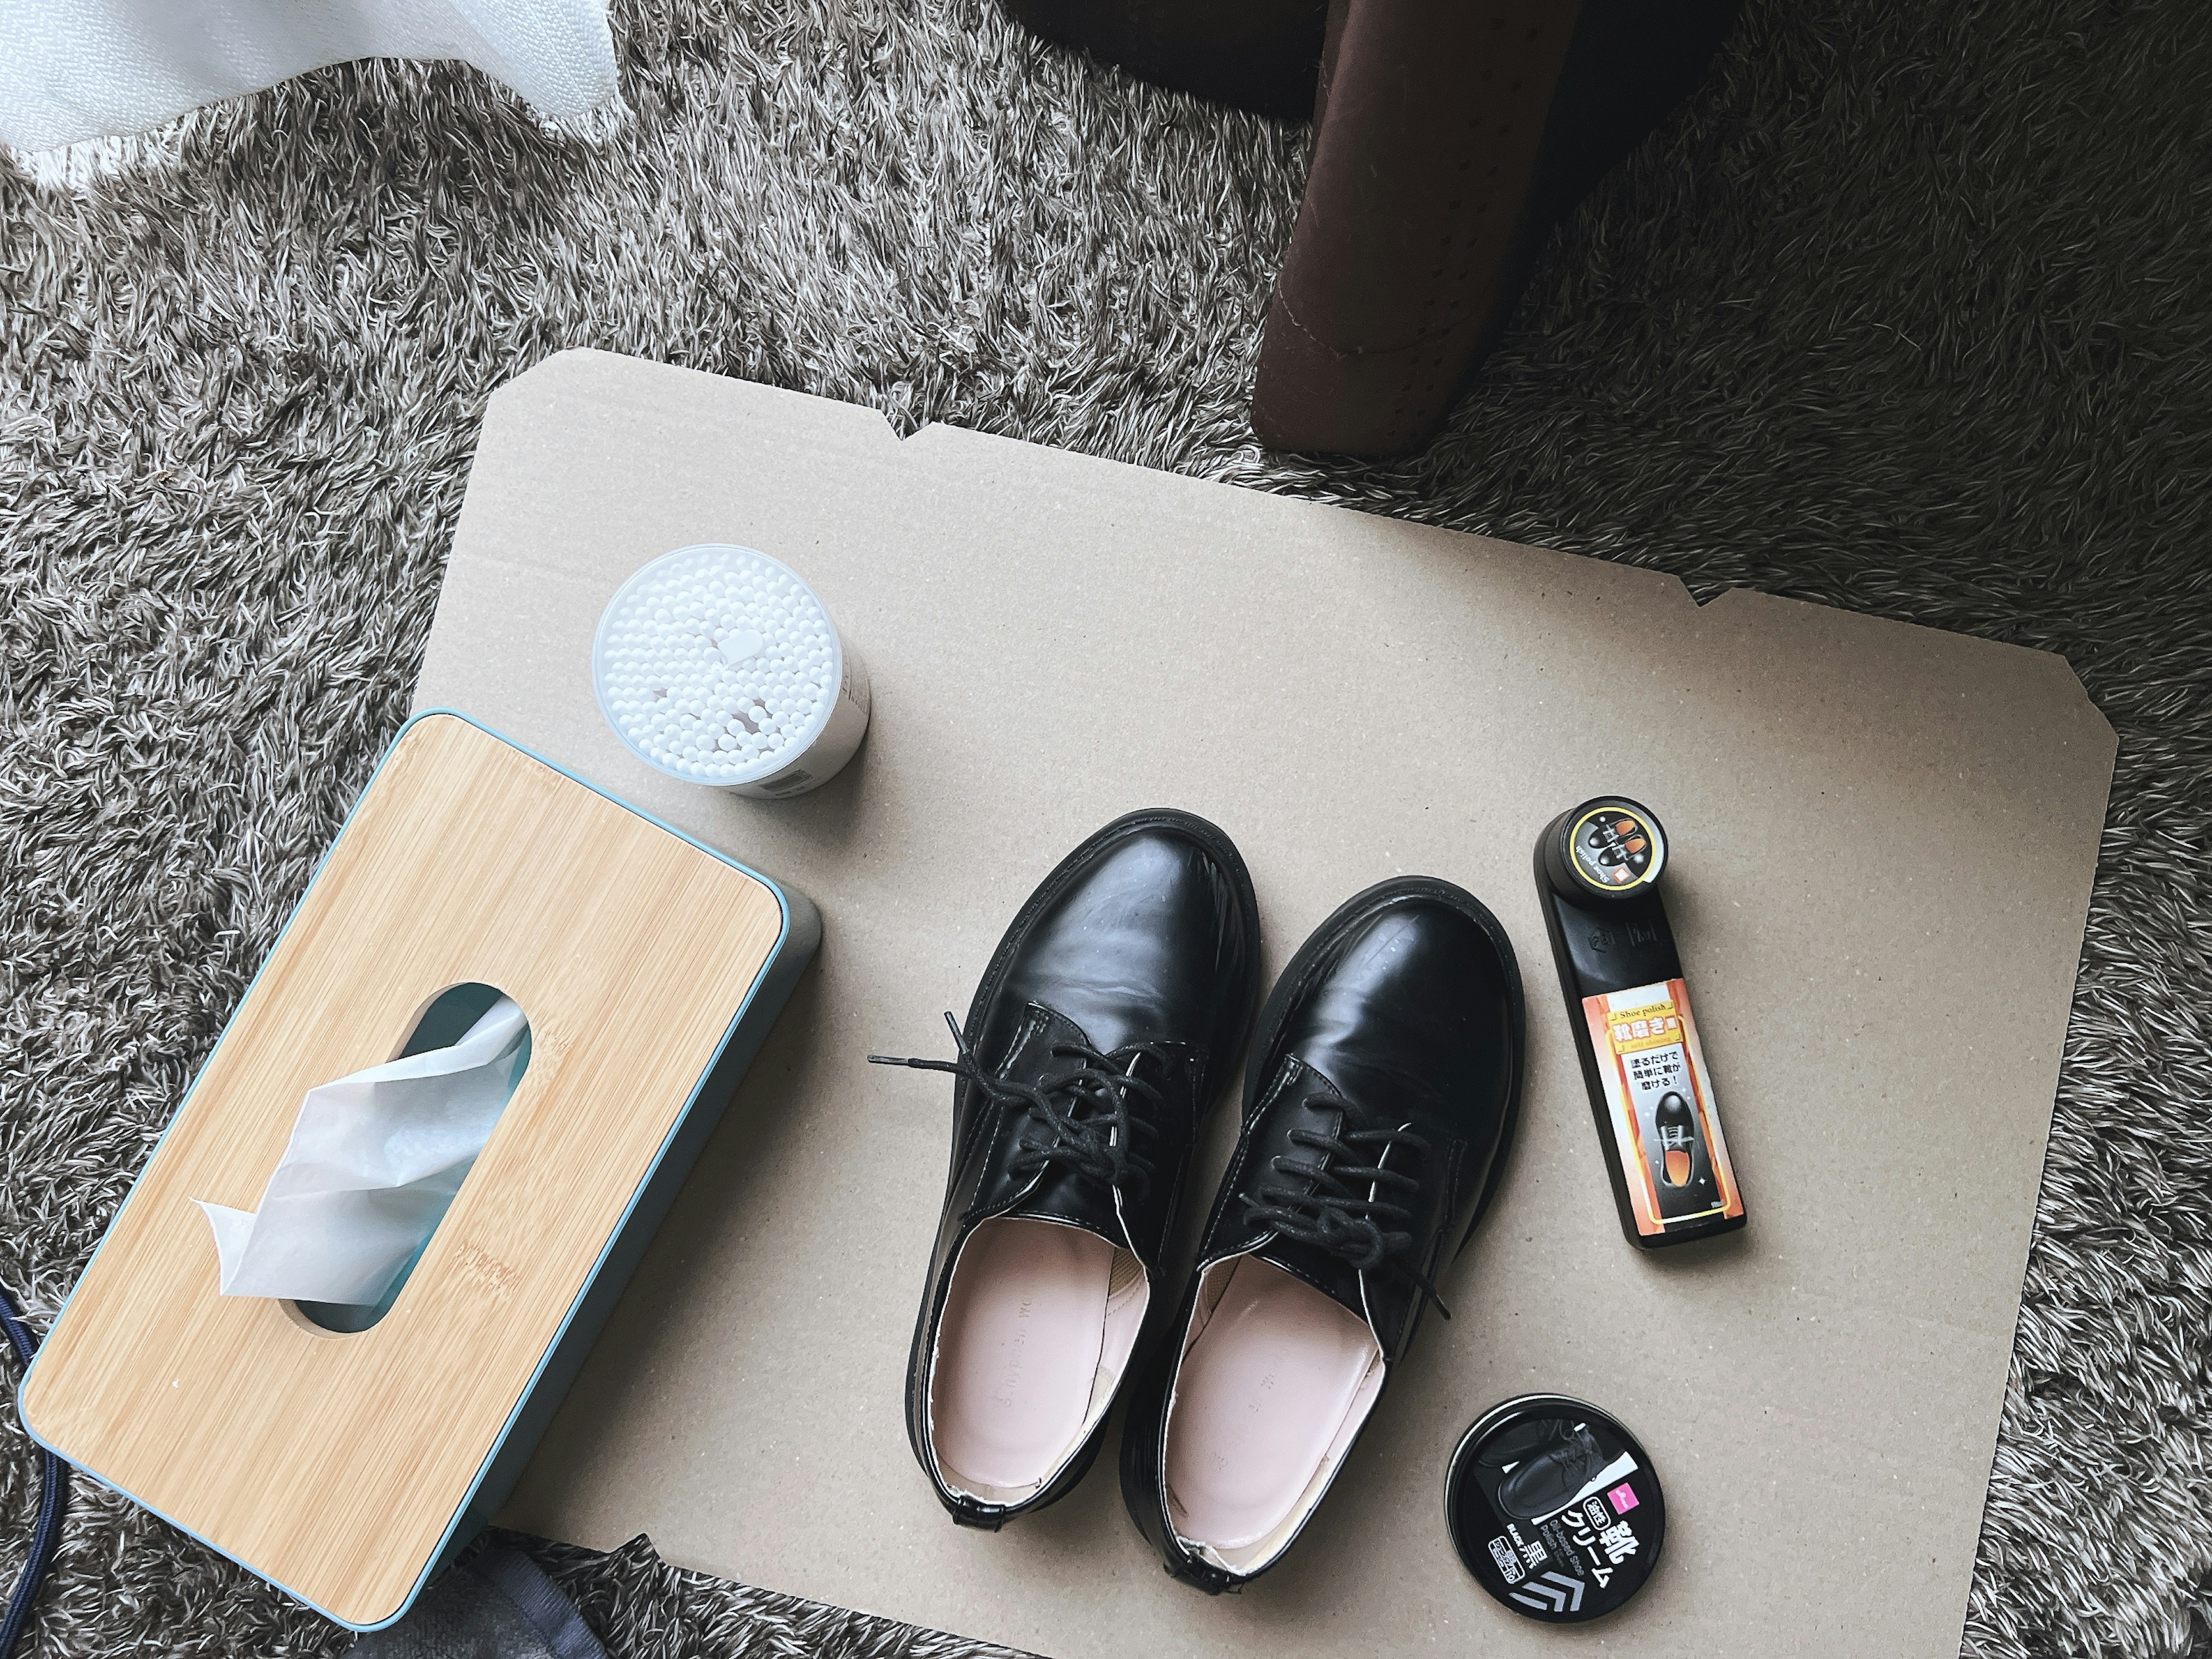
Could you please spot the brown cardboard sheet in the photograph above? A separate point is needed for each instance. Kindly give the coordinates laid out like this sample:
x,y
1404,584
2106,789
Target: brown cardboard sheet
x,y
1884,838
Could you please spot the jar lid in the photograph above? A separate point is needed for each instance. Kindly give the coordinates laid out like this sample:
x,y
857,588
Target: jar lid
x,y
717,665
1555,1509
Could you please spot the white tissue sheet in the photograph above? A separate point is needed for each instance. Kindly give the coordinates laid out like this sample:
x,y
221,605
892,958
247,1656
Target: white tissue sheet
x,y
75,69
373,1161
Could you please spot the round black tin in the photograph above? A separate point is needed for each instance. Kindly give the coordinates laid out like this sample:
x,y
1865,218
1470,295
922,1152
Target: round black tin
x,y
1555,1509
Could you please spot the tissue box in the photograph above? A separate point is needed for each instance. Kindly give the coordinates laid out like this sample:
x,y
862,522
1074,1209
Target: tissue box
x,y
344,1465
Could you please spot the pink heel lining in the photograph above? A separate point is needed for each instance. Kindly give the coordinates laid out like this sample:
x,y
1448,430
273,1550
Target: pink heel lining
x,y
1275,1381
1038,1326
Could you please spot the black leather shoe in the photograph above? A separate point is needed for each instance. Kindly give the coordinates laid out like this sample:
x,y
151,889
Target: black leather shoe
x,y
1379,1102
1110,1017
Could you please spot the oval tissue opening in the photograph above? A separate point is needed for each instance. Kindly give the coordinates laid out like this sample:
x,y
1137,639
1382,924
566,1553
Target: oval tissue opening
x,y
444,1021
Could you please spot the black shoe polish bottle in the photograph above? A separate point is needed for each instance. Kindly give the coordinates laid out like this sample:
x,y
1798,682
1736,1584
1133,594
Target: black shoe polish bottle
x,y
1597,873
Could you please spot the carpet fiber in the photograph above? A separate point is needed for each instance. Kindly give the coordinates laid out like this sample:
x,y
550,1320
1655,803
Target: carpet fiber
x,y
1908,311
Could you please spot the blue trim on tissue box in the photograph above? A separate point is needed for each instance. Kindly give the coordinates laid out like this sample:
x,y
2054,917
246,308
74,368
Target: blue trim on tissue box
x,y
564,1355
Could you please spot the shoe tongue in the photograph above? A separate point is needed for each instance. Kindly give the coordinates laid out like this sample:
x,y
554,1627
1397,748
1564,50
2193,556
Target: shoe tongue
x,y
1064,1196
1312,1103
1331,1275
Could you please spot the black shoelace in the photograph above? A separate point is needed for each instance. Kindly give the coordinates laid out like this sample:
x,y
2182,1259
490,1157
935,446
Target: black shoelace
x,y
1345,1212
1080,1122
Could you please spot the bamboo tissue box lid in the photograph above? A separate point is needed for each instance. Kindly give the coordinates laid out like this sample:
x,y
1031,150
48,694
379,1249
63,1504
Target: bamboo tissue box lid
x,y
344,1467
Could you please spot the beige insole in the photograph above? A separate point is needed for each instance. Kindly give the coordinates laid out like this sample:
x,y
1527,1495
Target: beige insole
x,y
1038,1329
1273,1388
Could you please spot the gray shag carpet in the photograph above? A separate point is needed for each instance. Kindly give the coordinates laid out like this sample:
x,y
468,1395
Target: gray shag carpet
x,y
1907,312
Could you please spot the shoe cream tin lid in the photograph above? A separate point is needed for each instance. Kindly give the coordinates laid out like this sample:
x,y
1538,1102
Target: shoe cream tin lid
x,y
1555,1509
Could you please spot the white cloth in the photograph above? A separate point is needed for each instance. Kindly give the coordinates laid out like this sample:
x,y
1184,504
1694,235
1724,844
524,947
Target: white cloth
x,y
374,1160
75,69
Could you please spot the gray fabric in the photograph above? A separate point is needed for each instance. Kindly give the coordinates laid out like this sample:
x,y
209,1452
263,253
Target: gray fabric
x,y
559,1630
499,1604
1908,312
641,1606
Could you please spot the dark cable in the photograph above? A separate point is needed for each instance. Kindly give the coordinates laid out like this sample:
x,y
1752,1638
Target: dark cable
x,y
53,1493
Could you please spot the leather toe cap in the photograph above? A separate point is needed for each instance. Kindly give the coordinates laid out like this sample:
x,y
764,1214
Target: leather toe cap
x,y
1414,1011
1151,942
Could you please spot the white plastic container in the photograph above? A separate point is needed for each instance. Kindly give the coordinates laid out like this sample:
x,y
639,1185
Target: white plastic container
x,y
718,665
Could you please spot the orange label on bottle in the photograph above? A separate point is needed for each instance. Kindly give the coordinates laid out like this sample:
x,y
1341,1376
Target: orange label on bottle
x,y
1666,1124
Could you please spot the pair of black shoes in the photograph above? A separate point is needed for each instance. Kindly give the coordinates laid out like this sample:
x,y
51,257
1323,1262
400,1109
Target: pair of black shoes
x,y
1379,1097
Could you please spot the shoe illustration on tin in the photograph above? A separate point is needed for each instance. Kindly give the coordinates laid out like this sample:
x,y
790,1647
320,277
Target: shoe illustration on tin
x,y
1542,1465
1554,1508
